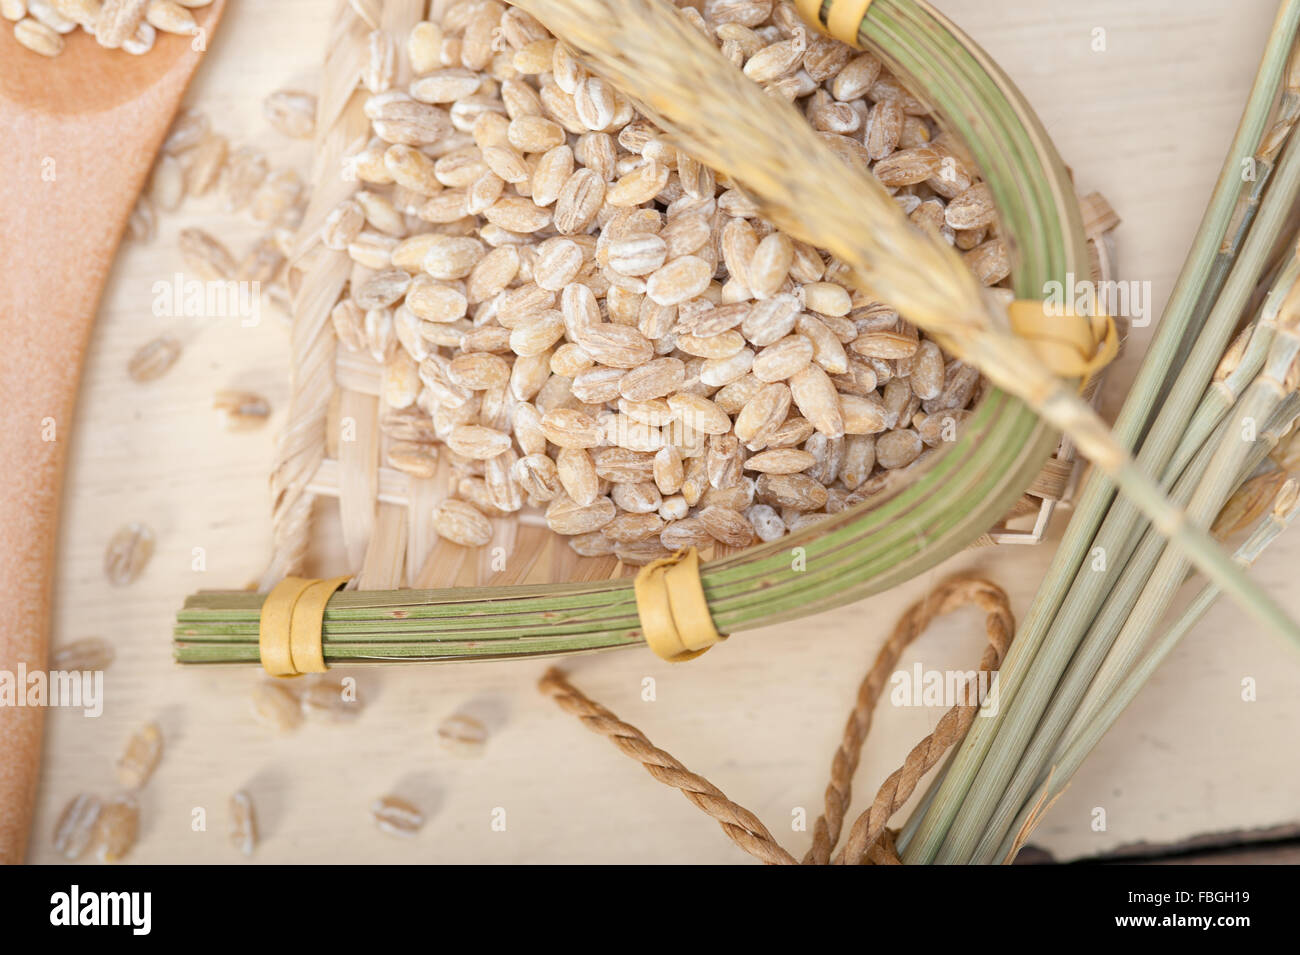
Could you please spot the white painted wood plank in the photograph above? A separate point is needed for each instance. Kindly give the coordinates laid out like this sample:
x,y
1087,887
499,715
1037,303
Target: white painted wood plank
x,y
1145,123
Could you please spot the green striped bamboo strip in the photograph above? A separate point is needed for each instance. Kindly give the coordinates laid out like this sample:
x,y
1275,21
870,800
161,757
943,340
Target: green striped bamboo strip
x,y
834,561
834,558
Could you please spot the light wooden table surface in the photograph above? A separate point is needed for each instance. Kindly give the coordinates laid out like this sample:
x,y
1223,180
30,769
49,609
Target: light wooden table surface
x,y
1144,122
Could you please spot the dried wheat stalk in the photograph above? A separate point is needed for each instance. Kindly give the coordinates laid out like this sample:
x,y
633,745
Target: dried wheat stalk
x,y
651,52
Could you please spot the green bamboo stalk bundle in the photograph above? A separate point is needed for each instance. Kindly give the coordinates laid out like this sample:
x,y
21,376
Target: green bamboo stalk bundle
x,y
1133,600
1213,251
1003,755
1084,733
1129,615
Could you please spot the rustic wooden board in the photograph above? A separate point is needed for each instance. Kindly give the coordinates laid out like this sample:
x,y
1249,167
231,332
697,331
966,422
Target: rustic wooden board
x,y
1144,122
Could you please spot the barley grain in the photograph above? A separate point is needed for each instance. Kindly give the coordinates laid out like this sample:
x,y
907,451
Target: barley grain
x,y
75,829
246,169
396,816
897,449
424,46
462,735
241,410
116,828
275,707
291,112
780,461
128,554
565,516
89,653
38,37
154,359
462,523
243,823
140,757
727,526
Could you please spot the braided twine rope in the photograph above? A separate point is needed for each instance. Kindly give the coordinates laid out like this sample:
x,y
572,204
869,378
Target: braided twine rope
x,y
869,841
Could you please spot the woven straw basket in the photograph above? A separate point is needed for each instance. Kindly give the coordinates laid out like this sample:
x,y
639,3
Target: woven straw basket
x,y
542,598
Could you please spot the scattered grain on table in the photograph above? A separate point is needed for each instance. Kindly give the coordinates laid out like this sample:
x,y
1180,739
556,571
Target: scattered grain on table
x,y
117,827
241,410
396,816
243,823
76,826
462,735
128,553
88,653
140,756
275,707
330,699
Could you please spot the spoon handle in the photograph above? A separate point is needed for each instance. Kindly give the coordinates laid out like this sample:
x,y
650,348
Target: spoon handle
x,y
78,135
64,199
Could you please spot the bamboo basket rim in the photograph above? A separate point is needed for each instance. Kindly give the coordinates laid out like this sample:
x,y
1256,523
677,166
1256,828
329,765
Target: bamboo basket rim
x,y
858,552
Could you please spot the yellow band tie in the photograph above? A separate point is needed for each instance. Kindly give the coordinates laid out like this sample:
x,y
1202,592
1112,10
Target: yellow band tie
x,y
289,631
1070,344
843,20
273,628
674,614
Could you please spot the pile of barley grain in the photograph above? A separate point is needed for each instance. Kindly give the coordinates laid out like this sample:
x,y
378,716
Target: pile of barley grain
x,y
589,321
130,25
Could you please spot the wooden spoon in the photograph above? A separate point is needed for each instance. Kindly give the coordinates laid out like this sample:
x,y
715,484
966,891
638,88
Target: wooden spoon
x,y
78,134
